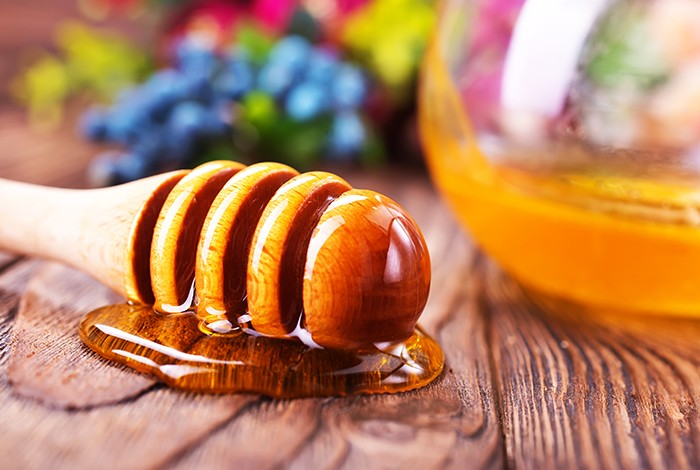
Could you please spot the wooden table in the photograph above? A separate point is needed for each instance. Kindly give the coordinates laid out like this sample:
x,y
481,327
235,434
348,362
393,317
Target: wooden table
x,y
522,387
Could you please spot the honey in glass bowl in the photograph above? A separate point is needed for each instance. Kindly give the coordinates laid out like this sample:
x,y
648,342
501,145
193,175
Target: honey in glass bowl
x,y
566,138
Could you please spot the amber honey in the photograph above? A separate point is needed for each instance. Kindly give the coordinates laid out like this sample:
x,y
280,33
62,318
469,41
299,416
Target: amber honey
x,y
575,237
183,354
268,281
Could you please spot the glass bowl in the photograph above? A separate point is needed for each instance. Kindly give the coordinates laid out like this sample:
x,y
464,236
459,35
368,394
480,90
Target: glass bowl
x,y
565,135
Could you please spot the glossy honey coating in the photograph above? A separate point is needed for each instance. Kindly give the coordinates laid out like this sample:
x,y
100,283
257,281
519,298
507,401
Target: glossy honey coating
x,y
172,348
369,265
137,275
278,252
177,233
284,253
224,244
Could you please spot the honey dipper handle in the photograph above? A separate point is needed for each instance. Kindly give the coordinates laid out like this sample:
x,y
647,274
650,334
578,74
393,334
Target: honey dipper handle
x,y
87,229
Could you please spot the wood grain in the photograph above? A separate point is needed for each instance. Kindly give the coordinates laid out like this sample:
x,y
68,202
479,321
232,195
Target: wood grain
x,y
452,423
21,145
144,432
6,259
592,389
44,333
54,419
13,280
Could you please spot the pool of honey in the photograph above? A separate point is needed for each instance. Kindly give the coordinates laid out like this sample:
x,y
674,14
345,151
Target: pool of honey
x,y
577,238
183,354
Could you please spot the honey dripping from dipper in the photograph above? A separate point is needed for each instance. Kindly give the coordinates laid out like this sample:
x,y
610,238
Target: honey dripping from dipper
x,y
260,279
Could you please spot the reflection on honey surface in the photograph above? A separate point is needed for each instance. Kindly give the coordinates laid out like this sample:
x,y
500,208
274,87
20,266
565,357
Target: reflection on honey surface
x,y
174,348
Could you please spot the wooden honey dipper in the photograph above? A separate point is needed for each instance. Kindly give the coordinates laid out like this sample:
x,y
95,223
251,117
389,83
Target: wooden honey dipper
x,y
262,243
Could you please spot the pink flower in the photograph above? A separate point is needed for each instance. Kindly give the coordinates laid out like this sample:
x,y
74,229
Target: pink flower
x,y
273,14
483,70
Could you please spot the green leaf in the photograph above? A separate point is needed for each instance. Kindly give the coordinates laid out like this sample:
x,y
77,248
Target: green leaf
x,y
623,51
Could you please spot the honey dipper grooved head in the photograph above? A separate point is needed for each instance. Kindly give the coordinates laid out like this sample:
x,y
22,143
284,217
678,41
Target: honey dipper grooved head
x,y
350,266
177,232
367,272
278,250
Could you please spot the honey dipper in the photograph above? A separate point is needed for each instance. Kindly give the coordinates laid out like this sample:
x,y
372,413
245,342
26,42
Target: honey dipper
x,y
261,243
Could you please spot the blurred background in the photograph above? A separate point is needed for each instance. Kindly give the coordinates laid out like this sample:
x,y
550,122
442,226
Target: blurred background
x,y
99,92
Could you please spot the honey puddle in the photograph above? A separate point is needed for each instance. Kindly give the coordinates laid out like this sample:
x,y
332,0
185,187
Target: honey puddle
x,y
174,348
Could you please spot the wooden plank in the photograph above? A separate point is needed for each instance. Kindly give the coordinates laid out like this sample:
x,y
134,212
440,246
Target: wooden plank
x,y
7,259
267,434
140,431
48,362
592,390
12,283
54,158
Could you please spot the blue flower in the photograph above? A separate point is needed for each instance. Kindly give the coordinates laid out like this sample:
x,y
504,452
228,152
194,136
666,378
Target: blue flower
x,y
322,66
349,87
347,134
292,52
306,101
93,124
235,80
